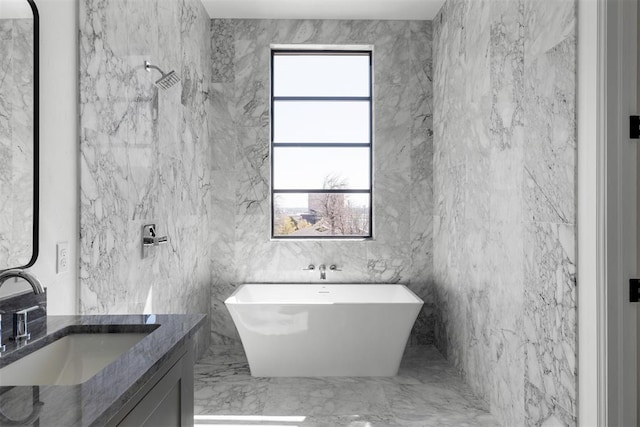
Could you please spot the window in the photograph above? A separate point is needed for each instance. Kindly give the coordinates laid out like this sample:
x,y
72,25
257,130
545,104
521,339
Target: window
x,y
321,144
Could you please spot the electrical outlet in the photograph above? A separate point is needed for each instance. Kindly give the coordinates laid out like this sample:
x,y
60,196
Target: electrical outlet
x,y
62,258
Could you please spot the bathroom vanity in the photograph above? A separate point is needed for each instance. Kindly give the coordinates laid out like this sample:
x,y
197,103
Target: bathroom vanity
x,y
147,381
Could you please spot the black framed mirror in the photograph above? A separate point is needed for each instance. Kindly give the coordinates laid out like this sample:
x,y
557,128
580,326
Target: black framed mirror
x,y
19,91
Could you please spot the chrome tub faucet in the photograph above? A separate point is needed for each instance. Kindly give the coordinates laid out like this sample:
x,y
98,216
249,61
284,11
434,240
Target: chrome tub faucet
x,y
323,271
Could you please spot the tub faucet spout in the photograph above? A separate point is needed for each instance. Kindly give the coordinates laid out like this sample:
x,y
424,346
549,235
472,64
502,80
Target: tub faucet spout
x,y
323,271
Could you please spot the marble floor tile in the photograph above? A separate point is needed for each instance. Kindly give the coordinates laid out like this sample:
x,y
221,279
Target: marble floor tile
x,y
426,392
435,405
246,398
332,399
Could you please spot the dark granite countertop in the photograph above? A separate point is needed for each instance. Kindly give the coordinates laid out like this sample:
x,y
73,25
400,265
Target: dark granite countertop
x,y
95,401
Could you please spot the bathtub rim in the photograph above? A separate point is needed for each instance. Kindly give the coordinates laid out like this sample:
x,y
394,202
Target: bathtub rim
x,y
230,300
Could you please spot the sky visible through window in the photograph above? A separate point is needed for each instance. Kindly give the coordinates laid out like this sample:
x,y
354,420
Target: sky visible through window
x,y
321,135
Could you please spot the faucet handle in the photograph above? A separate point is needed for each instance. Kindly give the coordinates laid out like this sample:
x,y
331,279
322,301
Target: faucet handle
x,y
28,310
311,267
21,323
150,238
334,267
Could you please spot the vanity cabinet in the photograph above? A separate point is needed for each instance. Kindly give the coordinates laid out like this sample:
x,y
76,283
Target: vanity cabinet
x,y
149,384
166,399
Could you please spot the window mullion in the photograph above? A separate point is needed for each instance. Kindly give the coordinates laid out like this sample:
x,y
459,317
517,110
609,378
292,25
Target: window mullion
x,y
322,190
322,144
322,98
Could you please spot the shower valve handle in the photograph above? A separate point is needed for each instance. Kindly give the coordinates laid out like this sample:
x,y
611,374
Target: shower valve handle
x,y
149,237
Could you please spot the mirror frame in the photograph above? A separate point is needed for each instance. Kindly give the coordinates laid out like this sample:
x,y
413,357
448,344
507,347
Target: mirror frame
x,y
36,132
36,135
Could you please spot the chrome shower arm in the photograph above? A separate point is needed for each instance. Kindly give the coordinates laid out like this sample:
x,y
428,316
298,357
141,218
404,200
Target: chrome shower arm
x,y
148,67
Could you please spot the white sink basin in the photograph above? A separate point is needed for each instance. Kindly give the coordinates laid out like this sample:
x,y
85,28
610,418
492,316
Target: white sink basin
x,y
70,360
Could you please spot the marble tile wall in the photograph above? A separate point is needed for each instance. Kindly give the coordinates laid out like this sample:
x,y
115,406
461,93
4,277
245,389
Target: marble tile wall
x,y
16,142
242,249
504,194
145,157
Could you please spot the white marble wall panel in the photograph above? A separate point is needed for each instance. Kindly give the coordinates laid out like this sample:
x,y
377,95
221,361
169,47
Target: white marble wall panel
x,y
145,157
402,248
504,238
16,142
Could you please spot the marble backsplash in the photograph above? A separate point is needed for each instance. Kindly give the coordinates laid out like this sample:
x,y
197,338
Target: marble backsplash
x,y
145,158
403,150
504,194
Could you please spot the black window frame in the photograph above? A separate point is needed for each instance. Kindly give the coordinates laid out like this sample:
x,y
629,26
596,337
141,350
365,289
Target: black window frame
x,y
320,52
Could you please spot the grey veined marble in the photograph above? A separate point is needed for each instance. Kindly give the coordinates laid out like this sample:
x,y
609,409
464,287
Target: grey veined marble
x,y
504,193
145,157
403,152
16,142
474,199
426,392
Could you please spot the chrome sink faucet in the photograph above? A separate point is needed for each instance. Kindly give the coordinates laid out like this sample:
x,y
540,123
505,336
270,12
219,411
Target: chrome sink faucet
x,y
22,274
20,322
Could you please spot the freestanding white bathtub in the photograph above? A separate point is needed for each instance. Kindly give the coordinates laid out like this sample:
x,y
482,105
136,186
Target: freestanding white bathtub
x,y
323,330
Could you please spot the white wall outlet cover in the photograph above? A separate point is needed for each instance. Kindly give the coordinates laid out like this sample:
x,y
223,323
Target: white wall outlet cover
x,y
62,257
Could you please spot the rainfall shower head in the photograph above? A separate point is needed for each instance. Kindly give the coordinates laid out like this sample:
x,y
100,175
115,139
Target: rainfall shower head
x,y
167,80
